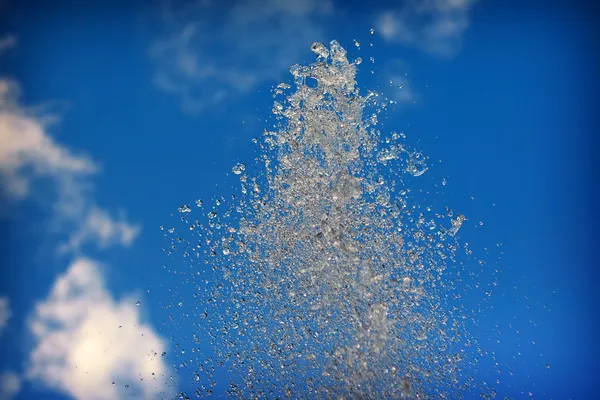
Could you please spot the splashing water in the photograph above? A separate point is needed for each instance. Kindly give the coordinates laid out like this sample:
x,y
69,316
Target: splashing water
x,y
326,283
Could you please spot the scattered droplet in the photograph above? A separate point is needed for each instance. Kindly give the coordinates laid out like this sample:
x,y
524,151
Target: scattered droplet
x,y
319,49
325,263
184,209
456,224
238,168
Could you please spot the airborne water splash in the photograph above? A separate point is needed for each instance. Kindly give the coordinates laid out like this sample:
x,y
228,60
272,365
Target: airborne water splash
x,y
328,284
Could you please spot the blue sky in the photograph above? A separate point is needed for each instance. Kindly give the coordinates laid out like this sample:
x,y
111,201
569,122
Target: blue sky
x,y
112,116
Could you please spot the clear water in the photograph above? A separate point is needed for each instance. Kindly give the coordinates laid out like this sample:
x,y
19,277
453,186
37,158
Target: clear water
x,y
320,279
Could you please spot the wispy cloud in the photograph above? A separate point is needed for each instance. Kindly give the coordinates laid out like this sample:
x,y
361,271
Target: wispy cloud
x,y
5,313
28,154
434,26
213,52
86,340
7,42
400,89
99,227
10,384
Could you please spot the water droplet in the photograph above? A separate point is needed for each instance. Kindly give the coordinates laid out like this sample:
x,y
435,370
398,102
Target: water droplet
x,y
319,49
416,169
337,245
238,168
386,155
456,224
184,209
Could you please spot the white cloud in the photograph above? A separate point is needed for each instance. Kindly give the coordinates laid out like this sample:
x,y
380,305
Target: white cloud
x,y
10,384
400,88
86,339
5,313
28,153
212,53
435,26
7,42
102,229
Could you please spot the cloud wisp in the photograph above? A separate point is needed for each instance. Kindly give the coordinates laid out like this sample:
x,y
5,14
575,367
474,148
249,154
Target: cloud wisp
x,y
434,26
87,344
10,385
100,228
28,154
212,53
10,382
7,42
5,313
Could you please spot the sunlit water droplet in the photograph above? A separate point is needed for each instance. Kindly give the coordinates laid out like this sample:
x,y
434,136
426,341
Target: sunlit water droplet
x,y
184,209
326,277
319,49
239,168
